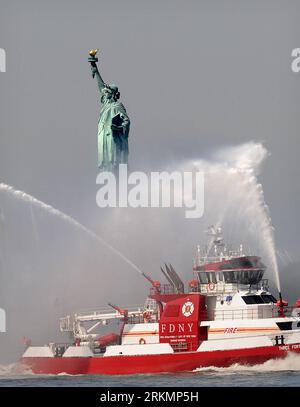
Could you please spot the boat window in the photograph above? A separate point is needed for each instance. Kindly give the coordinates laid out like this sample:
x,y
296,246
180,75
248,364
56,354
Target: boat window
x,y
236,276
212,277
268,298
254,276
252,299
203,278
260,274
243,276
285,326
229,277
207,277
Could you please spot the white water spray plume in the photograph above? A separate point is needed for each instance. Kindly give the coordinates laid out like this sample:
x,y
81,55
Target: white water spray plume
x,y
56,212
236,197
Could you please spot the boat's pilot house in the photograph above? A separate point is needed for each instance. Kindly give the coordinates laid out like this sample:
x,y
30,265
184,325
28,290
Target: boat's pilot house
x,y
239,271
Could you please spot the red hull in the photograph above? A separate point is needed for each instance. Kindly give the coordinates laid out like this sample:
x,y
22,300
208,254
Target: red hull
x,y
177,362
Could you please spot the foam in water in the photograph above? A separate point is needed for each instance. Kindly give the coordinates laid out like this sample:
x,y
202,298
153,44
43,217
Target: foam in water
x,y
13,370
289,363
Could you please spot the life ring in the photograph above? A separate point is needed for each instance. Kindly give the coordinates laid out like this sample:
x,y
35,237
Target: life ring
x,y
211,286
188,308
142,341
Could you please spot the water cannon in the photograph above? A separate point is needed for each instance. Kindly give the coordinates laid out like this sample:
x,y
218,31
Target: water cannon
x,y
155,284
281,303
121,311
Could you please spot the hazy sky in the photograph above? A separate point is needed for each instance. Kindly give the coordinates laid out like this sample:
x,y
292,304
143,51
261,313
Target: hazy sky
x,y
194,76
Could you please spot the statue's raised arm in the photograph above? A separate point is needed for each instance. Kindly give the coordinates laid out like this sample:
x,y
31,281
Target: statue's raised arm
x,y
95,71
113,123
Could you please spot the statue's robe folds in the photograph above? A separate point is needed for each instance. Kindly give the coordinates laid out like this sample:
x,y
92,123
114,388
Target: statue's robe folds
x,y
112,145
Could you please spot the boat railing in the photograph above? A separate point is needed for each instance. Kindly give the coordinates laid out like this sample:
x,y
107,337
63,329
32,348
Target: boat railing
x,y
136,319
142,318
107,310
259,312
222,287
164,289
215,259
68,322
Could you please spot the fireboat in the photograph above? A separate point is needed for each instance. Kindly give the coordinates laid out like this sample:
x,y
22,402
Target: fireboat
x,y
225,315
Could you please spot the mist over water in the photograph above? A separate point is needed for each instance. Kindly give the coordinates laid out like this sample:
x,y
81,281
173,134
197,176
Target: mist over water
x,y
52,265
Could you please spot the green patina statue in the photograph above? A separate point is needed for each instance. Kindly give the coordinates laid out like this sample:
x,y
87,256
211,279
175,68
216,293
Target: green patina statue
x,y
113,125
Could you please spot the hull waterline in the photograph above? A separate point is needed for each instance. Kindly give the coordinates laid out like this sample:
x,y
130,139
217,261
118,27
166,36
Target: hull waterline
x,y
143,364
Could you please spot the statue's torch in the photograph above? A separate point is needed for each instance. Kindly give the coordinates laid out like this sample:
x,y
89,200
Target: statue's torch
x,y
92,59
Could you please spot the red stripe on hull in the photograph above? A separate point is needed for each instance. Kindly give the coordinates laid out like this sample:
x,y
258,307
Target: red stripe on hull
x,y
177,362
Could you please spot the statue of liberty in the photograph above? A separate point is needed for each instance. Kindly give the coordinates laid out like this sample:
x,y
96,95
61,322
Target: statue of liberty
x,y
113,124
